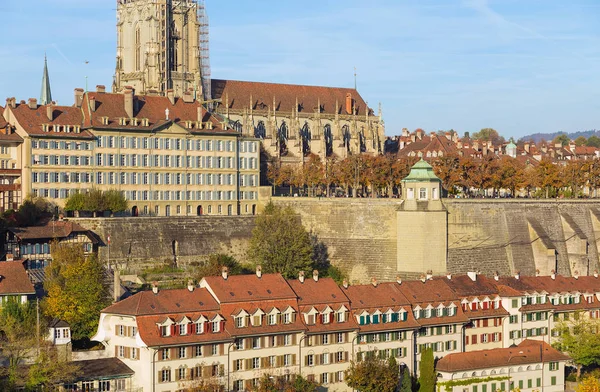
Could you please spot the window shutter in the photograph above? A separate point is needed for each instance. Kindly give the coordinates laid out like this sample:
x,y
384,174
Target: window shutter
x,y
317,359
294,339
117,351
306,360
206,371
173,330
331,358
190,328
263,341
345,356
346,337
466,340
127,352
221,349
248,385
474,337
248,343
293,359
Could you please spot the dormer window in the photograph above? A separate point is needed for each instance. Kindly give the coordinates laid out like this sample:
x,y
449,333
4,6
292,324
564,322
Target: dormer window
x,y
199,327
485,305
326,318
287,318
165,330
416,313
427,313
473,305
182,329
375,319
240,322
216,326
341,317
440,312
576,299
256,320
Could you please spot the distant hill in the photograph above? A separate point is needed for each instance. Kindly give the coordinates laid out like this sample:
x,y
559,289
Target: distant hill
x,y
537,137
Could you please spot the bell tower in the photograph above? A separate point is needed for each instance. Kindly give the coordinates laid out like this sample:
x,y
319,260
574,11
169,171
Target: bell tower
x,y
162,45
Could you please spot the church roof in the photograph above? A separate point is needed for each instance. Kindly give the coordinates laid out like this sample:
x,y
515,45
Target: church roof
x,y
421,172
46,94
238,95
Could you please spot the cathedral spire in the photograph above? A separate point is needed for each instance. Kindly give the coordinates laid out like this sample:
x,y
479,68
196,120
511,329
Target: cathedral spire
x,y
46,95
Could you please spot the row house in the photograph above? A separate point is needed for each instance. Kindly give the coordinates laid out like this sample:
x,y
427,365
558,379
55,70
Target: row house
x,y
386,321
263,321
482,305
167,155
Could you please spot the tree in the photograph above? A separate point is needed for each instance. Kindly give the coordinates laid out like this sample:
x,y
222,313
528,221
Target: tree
x,y
593,141
373,374
77,290
301,384
280,243
94,201
427,375
487,135
588,384
548,176
114,201
579,338
213,266
313,172
563,139
580,141
406,381
75,202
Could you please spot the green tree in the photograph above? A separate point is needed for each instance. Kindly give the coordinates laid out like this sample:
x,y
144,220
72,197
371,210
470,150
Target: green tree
x,y
33,211
580,141
427,371
406,381
563,139
373,374
488,135
579,338
75,202
593,141
213,266
280,243
114,201
301,384
95,201
77,290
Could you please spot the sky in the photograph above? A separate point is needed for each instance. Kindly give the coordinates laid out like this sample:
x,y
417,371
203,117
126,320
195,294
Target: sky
x,y
518,66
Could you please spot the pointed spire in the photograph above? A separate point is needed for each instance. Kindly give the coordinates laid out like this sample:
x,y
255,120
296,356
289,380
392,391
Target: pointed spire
x,y
46,95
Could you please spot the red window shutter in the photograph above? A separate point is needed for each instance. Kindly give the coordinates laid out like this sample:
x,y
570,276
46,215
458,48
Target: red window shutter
x,y
206,326
466,340
222,325
173,330
190,327
474,339
499,336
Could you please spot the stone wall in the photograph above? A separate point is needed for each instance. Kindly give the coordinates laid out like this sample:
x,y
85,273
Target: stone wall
x,y
361,236
142,241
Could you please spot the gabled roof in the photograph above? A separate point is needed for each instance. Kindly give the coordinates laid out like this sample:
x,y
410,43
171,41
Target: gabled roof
x,y
528,352
324,291
14,279
384,295
32,120
243,288
239,93
177,301
54,229
464,286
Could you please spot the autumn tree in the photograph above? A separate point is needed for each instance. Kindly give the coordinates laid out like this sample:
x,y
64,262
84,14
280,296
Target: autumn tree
x,y
578,337
488,135
115,201
373,374
548,176
427,374
446,168
77,290
213,266
313,172
280,243
297,383
589,383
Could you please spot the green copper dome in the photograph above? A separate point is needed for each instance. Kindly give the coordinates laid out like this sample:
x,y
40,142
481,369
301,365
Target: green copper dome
x,y
421,172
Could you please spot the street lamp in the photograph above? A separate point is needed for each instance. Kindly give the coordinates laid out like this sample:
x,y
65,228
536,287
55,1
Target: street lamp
x,y
511,356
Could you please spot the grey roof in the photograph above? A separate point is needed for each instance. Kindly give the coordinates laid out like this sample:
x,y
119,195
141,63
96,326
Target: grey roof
x,y
46,95
102,368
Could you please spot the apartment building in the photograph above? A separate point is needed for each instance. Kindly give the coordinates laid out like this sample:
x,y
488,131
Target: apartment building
x,y
167,155
329,341
262,318
481,303
386,321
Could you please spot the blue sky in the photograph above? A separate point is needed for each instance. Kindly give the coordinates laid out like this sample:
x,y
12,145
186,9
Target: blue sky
x,y
519,66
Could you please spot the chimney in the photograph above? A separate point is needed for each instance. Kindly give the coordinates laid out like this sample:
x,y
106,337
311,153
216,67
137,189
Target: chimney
x,y
128,100
496,276
345,283
374,281
526,147
171,96
224,272
429,275
316,275
100,89
553,274
10,257
349,103
12,102
78,97
32,103
398,279
188,96
259,271
191,285
537,272
155,287
449,275
422,278
472,275
301,276
595,273
419,133
200,114
93,103
50,111
405,132
576,274
518,275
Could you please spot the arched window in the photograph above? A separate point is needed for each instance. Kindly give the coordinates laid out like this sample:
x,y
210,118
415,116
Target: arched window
x,y
138,49
260,131
327,134
282,137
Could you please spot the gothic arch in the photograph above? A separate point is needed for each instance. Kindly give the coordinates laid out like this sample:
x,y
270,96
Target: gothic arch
x,y
346,137
328,136
260,131
305,136
282,138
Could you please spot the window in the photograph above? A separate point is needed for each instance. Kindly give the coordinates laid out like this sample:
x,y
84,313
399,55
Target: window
x,y
326,318
198,351
255,342
164,354
341,317
239,322
339,356
238,365
325,359
181,373
287,360
515,303
287,340
164,330
422,193
513,319
255,363
199,327
216,326
553,380
165,375
553,365
287,318
310,360
215,349
325,339
339,338
182,329
182,352
272,319
324,378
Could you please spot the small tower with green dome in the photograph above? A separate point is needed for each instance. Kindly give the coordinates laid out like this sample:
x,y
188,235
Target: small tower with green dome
x,y
422,223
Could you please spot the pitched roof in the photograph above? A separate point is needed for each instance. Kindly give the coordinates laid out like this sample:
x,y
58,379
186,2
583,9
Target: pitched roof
x,y
151,107
239,93
14,279
102,368
464,286
528,352
165,302
150,333
242,288
323,291
54,229
421,172
32,120
386,294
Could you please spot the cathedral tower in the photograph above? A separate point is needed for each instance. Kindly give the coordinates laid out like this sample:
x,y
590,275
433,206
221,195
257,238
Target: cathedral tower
x,y
162,45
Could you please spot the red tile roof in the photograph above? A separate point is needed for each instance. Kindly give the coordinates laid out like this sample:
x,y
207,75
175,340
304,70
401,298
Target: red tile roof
x,y
528,352
60,229
249,288
177,301
239,93
32,120
228,310
14,279
324,291
386,294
